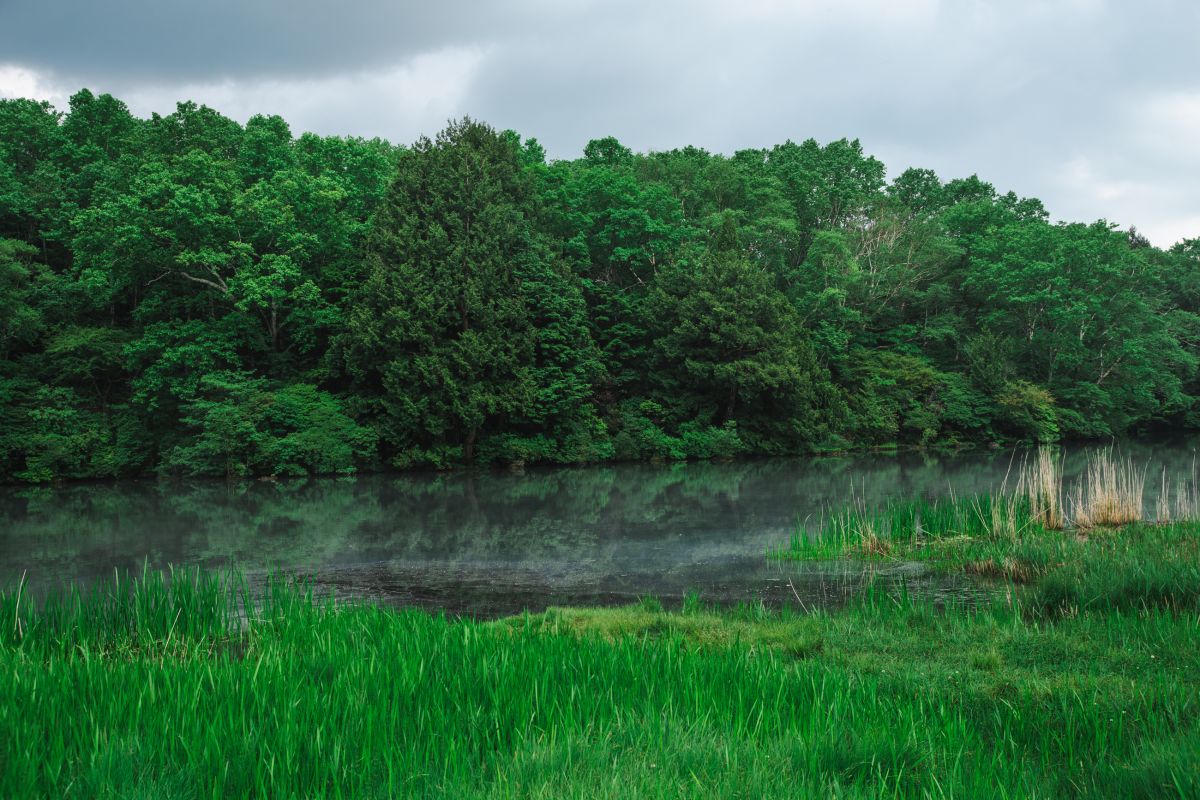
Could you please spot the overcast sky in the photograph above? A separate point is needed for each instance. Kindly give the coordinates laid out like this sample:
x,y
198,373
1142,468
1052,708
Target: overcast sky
x,y
1091,105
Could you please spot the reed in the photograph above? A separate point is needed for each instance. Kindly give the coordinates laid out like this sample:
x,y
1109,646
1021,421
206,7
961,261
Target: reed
x,y
1111,493
1162,506
1041,485
175,609
1002,516
1186,498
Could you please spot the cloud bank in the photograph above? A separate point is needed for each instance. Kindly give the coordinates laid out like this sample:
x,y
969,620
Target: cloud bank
x,y
1091,105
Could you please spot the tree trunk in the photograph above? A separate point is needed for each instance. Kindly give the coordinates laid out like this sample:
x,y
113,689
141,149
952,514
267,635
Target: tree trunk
x,y
731,402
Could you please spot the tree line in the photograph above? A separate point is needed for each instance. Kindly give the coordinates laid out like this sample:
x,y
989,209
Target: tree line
x,y
186,295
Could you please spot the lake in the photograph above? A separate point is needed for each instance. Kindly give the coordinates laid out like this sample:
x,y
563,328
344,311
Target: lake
x,y
496,542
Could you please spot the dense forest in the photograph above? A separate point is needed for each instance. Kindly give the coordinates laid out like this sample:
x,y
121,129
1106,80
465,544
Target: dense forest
x,y
186,295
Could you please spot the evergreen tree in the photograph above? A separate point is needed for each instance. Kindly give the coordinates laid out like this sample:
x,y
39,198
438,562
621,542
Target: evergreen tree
x,y
465,327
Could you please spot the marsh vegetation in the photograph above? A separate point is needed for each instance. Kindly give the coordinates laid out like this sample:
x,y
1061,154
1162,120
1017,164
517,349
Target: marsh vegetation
x,y
1076,676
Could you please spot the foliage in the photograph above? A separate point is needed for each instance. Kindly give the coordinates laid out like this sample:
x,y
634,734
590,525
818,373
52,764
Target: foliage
x,y
242,427
467,300
466,325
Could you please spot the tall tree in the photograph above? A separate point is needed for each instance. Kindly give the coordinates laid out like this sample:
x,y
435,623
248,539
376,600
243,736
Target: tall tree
x,y
443,337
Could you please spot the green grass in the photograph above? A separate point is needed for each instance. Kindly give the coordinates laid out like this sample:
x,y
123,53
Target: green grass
x,y
887,699
1056,572
856,530
1082,681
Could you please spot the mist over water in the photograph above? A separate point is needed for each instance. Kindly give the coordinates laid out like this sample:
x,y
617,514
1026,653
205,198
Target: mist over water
x,y
493,542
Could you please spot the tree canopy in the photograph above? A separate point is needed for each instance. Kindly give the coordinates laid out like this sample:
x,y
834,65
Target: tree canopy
x,y
189,295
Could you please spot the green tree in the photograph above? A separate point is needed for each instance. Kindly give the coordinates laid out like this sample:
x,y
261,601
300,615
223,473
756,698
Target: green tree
x,y
1073,302
449,338
21,321
732,345
244,427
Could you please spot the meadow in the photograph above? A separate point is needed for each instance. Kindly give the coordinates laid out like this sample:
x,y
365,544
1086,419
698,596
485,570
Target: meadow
x,y
1077,675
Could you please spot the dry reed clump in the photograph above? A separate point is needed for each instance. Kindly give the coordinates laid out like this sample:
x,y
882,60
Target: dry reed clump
x,y
1110,493
861,529
872,544
1184,504
1040,484
999,519
1162,513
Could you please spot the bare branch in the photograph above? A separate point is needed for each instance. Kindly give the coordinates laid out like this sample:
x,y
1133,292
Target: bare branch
x,y
219,284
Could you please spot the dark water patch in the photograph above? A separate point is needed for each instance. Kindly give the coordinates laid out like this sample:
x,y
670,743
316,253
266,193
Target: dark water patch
x,y
489,590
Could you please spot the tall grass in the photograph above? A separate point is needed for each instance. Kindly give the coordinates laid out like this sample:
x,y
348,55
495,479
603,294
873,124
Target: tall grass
x,y
173,609
1001,516
1041,485
877,532
115,693
1163,504
1111,493
1181,501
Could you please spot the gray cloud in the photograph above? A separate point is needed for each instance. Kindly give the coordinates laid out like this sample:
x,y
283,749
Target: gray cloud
x,y
169,41
1092,105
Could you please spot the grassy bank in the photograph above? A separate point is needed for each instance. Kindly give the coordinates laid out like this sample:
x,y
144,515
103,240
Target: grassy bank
x,y
161,688
1059,551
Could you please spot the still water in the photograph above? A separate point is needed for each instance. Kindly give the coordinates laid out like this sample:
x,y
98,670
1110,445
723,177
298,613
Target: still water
x,y
499,542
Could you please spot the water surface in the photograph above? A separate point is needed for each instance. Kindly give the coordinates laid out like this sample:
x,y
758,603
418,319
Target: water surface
x,y
499,542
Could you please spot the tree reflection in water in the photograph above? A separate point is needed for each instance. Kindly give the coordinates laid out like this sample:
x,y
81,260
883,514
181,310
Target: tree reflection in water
x,y
500,541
